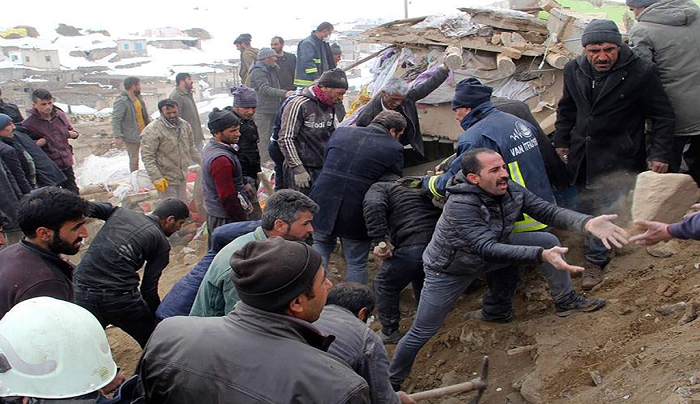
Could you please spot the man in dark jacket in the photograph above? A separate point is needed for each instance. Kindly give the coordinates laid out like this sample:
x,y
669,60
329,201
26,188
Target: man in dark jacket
x,y
106,280
13,159
182,95
245,102
53,222
286,61
283,290
314,56
10,110
474,237
129,119
608,94
49,126
355,159
222,175
396,95
347,310
264,79
308,121
404,219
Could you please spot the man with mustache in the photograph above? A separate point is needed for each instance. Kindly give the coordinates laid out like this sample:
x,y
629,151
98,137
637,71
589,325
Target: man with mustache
x,y
609,93
129,119
53,222
474,237
288,214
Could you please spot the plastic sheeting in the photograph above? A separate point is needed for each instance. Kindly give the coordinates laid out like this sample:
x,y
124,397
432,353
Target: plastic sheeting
x,y
456,25
111,167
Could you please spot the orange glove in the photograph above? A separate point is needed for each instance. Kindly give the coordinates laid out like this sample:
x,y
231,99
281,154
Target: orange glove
x,y
161,185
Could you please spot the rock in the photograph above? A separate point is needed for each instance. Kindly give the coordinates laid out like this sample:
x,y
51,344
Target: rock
x,y
640,302
664,249
515,398
690,315
624,310
522,349
67,30
450,378
668,309
663,197
684,392
188,250
471,339
531,389
595,376
672,290
190,259
439,363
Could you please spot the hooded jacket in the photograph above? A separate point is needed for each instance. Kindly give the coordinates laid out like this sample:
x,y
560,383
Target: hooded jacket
x,y
124,123
264,79
474,228
168,150
668,34
608,132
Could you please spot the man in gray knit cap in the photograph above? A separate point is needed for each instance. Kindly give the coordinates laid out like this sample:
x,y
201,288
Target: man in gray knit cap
x,y
609,92
668,34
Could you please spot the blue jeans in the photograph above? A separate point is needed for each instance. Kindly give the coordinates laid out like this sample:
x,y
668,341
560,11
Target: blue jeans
x,y
441,291
355,252
273,149
405,266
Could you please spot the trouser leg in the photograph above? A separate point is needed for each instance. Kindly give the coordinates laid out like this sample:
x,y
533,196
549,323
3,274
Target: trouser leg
x,y
69,183
278,158
132,149
324,244
356,252
692,158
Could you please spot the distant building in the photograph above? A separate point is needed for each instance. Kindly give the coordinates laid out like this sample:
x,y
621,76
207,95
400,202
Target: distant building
x,y
183,42
30,56
131,47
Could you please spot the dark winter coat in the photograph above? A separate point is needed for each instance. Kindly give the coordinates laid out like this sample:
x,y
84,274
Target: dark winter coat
x,y
9,200
474,228
412,135
249,356
12,111
288,65
248,153
12,163
404,214
47,172
314,57
264,79
608,133
355,159
55,131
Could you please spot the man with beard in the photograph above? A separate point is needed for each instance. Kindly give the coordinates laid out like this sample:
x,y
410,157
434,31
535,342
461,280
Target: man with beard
x,y
129,118
609,95
167,150
287,214
286,61
248,54
106,280
53,222
182,95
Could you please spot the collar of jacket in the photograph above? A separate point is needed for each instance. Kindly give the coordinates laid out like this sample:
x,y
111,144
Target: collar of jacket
x,y
260,65
228,147
281,326
170,125
54,113
625,58
155,220
477,114
183,92
65,266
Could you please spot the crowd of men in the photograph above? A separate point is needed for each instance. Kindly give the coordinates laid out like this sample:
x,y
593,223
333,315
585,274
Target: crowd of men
x,y
259,305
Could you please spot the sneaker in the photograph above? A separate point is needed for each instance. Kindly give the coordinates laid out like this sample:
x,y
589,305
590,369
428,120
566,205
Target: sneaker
x,y
479,315
592,275
577,304
391,339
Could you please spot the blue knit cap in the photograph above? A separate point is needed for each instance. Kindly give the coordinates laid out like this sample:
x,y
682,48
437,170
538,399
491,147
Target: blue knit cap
x,y
4,121
470,93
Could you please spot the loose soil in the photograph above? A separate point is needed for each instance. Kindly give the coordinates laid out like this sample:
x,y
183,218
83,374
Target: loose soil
x,y
625,353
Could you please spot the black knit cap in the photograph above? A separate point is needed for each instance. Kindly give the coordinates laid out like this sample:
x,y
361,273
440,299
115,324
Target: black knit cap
x,y
334,78
220,120
470,93
269,274
601,31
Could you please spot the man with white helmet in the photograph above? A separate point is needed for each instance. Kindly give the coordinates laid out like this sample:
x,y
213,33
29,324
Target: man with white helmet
x,y
52,351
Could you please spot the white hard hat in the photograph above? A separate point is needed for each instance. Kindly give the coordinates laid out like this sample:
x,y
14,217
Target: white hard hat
x,y
50,348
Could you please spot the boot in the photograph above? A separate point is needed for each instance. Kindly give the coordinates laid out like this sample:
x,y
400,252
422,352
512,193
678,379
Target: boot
x,y
479,315
576,303
391,339
592,275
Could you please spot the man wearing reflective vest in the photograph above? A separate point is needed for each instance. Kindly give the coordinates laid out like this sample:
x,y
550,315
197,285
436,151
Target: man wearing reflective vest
x,y
512,137
314,56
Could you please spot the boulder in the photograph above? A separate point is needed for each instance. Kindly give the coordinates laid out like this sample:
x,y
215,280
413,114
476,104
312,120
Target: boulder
x,y
531,389
663,197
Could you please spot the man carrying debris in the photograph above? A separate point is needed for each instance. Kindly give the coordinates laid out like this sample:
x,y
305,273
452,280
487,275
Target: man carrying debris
x,y
129,118
286,61
474,237
248,56
182,95
53,222
609,93
265,80
288,214
106,280
222,175
50,128
345,316
397,96
668,34
355,159
265,350
314,56
308,121
168,149
404,219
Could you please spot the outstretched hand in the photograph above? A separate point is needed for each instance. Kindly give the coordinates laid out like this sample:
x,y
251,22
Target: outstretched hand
x,y
555,257
656,232
609,233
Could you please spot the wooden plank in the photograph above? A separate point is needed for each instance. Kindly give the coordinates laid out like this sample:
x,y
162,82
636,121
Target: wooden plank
x,y
506,19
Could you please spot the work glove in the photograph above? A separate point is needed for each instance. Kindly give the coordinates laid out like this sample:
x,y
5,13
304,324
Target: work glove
x,y
161,185
415,181
302,179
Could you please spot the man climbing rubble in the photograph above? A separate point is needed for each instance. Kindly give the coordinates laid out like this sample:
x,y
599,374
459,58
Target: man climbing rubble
x,y
474,237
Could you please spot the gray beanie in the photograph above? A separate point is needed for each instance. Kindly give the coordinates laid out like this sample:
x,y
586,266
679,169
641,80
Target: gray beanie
x,y
265,53
601,31
244,97
640,3
335,50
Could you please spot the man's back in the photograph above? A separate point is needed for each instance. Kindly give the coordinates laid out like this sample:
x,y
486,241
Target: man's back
x,y
249,356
